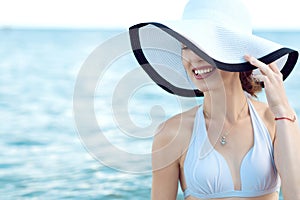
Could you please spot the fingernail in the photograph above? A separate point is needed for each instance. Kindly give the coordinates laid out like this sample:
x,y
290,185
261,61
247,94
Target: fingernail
x,y
246,56
249,59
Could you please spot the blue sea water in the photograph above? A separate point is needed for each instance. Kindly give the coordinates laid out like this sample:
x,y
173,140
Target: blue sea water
x,y
42,155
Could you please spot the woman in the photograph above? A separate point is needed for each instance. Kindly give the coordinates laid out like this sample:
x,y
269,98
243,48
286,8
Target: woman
x,y
283,134
231,146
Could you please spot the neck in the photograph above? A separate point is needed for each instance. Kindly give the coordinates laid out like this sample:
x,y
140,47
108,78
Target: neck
x,y
225,103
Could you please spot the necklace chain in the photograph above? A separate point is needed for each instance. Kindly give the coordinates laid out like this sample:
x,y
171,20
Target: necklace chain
x,y
222,138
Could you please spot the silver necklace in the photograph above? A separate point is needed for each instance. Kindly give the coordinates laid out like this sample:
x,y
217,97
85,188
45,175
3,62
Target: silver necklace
x,y
222,138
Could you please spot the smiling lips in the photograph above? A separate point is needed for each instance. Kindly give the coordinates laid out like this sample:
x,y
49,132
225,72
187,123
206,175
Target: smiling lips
x,y
203,72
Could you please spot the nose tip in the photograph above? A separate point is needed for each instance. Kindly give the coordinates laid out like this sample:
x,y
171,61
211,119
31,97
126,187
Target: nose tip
x,y
195,59
192,57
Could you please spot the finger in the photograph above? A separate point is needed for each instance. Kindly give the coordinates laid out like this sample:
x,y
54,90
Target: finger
x,y
257,63
274,67
260,77
265,69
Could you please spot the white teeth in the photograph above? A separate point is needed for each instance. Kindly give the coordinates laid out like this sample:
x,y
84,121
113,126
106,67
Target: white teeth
x,y
202,71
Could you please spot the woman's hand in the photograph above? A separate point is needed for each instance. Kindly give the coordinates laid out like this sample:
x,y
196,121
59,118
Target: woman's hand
x,y
274,88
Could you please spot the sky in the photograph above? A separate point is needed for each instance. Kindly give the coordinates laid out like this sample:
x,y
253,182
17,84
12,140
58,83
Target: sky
x,y
266,14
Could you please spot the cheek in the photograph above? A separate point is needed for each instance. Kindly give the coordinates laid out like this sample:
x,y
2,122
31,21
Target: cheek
x,y
185,62
187,67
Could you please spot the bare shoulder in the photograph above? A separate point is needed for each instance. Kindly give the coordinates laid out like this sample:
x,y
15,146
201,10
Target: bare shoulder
x,y
173,136
266,115
176,126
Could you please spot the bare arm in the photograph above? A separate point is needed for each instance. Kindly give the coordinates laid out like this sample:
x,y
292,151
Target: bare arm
x,y
287,155
165,183
166,152
287,136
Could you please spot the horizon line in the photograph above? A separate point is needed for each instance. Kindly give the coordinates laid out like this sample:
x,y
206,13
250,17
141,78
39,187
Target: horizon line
x,y
120,28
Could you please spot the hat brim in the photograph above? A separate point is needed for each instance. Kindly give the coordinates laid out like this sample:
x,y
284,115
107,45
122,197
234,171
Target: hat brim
x,y
223,49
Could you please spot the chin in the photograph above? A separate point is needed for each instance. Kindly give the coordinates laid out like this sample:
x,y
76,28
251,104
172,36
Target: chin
x,y
203,88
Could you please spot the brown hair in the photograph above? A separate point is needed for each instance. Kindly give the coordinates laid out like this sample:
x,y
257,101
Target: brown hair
x,y
249,84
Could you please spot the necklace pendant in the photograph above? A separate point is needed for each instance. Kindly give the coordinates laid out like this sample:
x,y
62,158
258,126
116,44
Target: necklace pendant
x,y
223,140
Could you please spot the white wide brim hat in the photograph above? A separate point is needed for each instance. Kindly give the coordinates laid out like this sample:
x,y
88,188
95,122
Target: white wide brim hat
x,y
219,31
